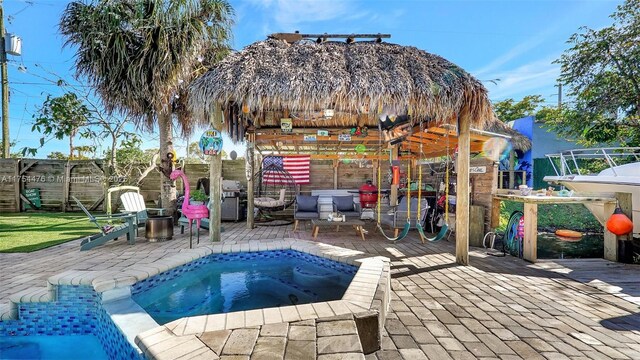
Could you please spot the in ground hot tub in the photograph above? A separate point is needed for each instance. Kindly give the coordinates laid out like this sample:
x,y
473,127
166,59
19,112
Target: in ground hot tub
x,y
223,283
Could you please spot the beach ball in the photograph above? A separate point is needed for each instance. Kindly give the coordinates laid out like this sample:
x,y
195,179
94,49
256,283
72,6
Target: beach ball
x,y
496,148
619,223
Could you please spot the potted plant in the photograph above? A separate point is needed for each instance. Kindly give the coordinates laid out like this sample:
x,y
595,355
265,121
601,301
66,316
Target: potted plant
x,y
198,197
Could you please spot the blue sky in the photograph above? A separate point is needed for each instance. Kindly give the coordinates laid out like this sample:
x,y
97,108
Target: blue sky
x,y
511,40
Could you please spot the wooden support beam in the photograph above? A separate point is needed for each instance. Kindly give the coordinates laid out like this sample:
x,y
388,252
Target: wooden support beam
x,y
393,195
66,184
462,193
335,173
530,246
215,188
610,239
250,163
17,184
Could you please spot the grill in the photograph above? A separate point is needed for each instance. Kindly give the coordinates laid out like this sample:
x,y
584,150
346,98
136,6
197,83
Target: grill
x,y
234,203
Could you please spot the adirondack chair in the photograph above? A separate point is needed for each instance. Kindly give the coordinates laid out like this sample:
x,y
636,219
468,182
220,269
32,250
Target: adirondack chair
x,y
108,232
133,202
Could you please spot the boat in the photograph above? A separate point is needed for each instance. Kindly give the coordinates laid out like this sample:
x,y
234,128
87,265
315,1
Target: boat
x,y
622,174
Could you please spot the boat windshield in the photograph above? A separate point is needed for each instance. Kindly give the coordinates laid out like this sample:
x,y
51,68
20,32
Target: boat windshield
x,y
593,161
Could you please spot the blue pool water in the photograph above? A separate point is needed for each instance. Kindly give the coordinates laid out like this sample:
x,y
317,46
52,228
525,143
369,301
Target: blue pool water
x,y
223,283
56,347
75,326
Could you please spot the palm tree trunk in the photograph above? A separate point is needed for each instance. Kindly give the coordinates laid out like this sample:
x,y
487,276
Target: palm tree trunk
x,y
167,187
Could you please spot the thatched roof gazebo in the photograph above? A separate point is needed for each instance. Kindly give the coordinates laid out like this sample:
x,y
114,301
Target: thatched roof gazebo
x,y
352,79
343,84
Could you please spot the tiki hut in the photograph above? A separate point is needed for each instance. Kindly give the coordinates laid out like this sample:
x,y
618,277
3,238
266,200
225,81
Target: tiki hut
x,y
344,84
353,79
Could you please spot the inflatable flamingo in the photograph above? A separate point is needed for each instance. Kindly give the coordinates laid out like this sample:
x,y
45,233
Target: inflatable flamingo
x,y
191,212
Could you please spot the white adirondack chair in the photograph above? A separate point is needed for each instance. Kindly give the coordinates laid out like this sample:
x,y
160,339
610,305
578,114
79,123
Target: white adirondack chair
x,y
133,202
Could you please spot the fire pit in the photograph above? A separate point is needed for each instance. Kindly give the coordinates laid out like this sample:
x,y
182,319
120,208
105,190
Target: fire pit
x,y
159,228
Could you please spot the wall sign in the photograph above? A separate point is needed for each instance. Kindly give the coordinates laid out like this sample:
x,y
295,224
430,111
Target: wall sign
x,y
286,125
310,137
211,142
344,137
34,196
323,132
477,170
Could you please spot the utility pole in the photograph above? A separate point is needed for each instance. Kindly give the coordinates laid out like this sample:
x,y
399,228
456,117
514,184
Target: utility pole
x,y
560,96
5,89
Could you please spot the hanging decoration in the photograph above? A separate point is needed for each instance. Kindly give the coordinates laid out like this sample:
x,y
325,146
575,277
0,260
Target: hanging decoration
x,y
286,125
619,223
211,142
359,131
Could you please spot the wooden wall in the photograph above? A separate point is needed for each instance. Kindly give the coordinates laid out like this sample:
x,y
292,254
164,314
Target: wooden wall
x,y
9,183
59,180
85,180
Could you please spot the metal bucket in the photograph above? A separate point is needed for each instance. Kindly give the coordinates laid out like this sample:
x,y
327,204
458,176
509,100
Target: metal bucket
x,y
159,228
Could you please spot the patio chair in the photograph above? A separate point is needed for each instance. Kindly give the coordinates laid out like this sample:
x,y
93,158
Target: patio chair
x,y
346,206
107,231
398,217
133,203
305,208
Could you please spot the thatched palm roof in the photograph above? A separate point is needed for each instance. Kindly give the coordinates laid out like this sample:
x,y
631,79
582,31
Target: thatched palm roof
x,y
518,140
305,77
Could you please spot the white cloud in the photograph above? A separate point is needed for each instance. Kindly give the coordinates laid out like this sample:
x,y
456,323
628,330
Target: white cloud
x,y
288,13
537,77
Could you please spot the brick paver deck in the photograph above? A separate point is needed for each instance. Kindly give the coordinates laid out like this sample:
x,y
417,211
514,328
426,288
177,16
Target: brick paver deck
x,y
498,308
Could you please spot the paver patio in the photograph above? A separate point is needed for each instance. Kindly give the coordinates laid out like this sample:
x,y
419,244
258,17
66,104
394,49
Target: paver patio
x,y
496,308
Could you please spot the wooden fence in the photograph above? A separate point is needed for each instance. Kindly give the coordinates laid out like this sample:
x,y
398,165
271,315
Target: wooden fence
x,y
58,180
50,184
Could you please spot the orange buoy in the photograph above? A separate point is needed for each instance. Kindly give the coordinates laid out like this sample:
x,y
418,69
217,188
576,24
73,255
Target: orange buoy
x,y
563,233
619,223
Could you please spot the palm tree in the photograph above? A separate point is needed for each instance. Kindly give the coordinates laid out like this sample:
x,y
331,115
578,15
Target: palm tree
x,y
140,55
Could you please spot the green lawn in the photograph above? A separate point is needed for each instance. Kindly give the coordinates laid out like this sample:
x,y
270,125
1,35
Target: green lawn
x,y
26,232
555,216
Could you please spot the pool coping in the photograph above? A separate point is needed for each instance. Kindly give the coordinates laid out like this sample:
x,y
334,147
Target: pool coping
x,y
145,334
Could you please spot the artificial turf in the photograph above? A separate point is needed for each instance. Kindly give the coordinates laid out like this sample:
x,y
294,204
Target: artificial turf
x,y
27,232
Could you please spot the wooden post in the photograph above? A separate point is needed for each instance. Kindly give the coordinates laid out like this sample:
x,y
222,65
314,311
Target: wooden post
x,y
393,195
249,174
16,184
610,239
624,244
462,191
495,213
66,184
530,246
335,173
215,176
511,169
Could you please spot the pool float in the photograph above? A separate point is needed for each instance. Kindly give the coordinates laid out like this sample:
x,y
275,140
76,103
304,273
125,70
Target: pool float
x,y
568,234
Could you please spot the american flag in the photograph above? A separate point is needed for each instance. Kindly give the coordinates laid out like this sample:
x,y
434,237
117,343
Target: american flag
x,y
296,165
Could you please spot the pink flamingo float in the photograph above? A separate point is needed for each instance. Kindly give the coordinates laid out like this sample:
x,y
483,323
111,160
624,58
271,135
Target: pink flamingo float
x,y
191,212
